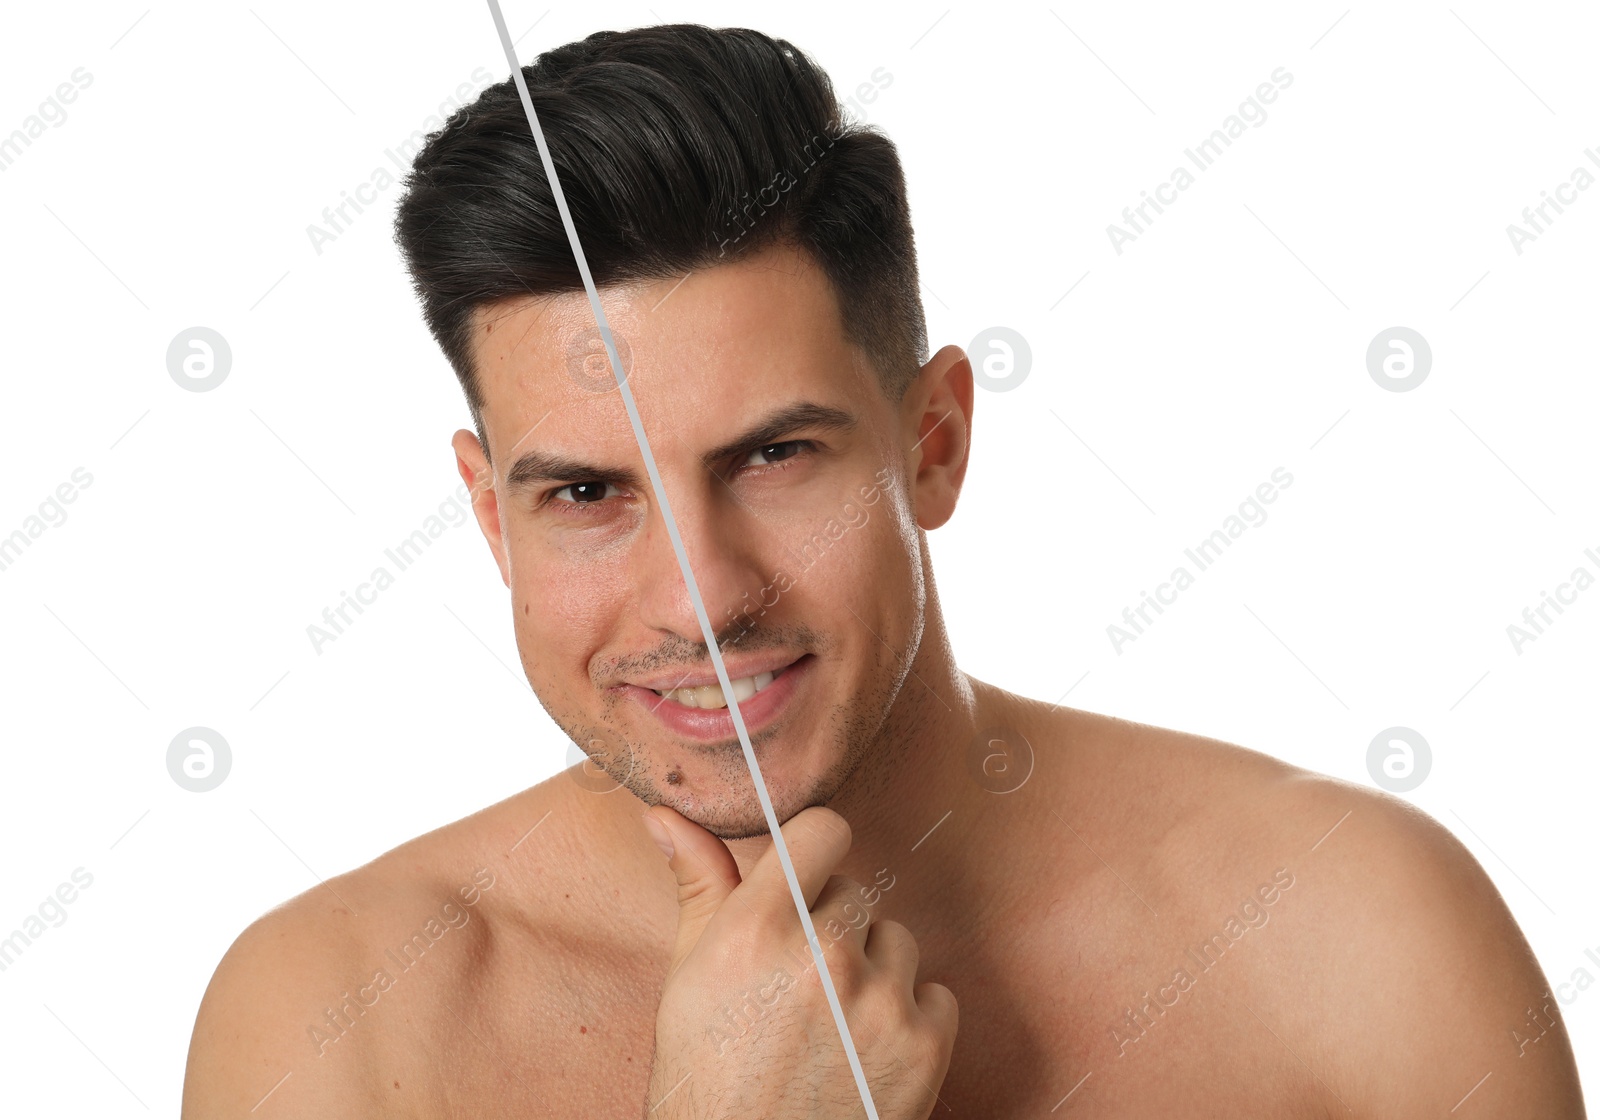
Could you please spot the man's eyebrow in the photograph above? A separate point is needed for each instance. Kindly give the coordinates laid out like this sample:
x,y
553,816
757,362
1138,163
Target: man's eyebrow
x,y
536,467
801,415
545,466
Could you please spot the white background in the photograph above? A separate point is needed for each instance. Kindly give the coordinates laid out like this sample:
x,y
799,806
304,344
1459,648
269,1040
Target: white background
x,y
1227,341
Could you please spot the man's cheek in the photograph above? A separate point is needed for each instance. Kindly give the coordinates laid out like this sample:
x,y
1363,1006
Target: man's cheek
x,y
572,586
563,615
860,573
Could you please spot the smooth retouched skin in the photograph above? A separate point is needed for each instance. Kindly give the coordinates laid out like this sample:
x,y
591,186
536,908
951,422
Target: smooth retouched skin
x,y
1364,964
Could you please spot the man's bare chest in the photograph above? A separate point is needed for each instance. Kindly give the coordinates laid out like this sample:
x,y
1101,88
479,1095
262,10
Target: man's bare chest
x,y
1038,1042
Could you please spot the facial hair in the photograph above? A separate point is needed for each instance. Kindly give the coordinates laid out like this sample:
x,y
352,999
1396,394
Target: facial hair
x,y
855,726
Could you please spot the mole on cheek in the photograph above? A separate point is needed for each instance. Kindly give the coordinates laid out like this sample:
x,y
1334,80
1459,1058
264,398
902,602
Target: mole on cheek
x,y
673,777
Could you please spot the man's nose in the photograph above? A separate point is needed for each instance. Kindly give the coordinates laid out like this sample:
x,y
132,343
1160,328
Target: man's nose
x,y
720,542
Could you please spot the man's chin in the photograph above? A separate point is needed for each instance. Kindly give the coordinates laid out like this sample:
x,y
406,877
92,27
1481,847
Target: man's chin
x,y
728,821
720,798
748,830
725,822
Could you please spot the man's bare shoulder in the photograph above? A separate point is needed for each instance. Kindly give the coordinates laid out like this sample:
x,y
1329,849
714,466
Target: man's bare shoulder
x,y
1410,971
1156,792
1369,941
325,996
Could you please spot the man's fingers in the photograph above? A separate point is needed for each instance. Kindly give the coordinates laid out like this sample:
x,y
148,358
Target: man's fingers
x,y
839,915
817,839
705,870
938,1004
891,948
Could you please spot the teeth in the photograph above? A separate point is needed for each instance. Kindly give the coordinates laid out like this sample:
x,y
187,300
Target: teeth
x,y
710,695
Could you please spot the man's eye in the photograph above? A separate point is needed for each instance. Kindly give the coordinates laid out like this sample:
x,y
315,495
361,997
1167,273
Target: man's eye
x,y
582,493
774,452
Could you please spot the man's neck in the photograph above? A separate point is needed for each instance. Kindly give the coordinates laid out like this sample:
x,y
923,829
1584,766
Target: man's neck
x,y
916,772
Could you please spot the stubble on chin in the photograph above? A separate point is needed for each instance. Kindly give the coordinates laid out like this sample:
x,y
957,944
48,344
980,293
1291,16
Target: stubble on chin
x,y
721,798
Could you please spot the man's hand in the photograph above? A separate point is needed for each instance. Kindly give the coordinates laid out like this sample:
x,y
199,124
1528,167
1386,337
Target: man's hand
x,y
744,1028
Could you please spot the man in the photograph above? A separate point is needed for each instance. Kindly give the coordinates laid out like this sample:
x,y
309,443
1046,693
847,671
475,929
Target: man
x,y
1026,909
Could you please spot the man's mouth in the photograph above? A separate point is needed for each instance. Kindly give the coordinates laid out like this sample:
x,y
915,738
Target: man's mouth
x,y
693,705
712,696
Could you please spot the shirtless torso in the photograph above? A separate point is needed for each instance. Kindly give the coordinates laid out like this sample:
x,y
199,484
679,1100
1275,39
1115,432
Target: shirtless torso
x,y
1199,930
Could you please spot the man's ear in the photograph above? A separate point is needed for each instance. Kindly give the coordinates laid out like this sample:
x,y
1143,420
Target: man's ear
x,y
475,472
937,426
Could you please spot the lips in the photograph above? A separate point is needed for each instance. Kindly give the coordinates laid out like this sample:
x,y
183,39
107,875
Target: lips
x,y
711,720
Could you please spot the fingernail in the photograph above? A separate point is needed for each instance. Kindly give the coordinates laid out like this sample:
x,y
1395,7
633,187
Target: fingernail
x,y
658,833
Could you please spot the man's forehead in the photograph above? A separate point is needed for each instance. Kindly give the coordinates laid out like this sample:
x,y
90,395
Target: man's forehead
x,y
707,339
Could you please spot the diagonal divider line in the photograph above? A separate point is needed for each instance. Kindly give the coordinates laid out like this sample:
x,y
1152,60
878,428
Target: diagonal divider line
x,y
683,564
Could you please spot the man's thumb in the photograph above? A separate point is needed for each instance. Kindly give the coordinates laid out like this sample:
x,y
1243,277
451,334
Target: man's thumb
x,y
705,870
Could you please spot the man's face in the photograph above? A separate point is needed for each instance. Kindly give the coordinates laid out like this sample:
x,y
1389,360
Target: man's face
x,y
783,463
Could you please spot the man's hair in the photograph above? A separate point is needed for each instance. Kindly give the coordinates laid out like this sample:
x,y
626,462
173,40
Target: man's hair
x,y
678,147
